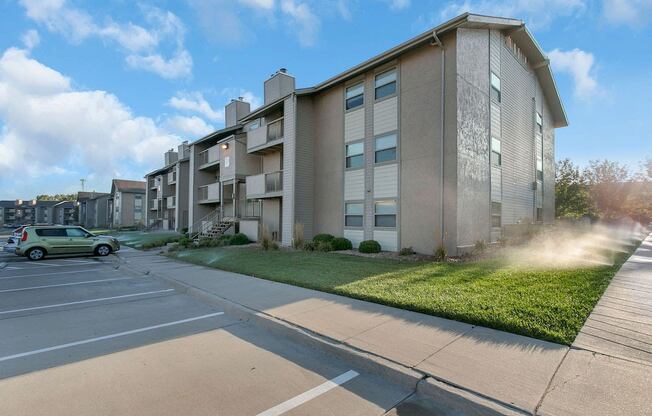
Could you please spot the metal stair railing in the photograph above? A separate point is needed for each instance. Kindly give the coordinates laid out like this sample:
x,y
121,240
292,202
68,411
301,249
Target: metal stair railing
x,y
205,223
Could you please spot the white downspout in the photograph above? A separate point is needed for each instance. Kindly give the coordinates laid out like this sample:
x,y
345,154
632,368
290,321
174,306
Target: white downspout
x,y
437,41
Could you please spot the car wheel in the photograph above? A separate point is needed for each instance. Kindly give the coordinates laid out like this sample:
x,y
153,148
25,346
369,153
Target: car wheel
x,y
103,250
35,254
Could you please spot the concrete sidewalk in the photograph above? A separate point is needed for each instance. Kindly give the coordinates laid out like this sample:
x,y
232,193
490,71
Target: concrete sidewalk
x,y
609,368
521,373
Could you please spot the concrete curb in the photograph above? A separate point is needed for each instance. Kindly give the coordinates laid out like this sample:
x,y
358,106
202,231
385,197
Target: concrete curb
x,y
451,399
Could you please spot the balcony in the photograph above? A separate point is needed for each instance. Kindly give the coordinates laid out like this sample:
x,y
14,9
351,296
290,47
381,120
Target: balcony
x,y
153,204
209,157
208,194
171,202
172,177
266,138
266,185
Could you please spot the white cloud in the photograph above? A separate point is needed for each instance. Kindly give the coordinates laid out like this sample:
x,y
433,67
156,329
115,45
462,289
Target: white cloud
x,y
192,126
196,103
261,4
627,12
180,65
536,13
580,66
31,39
50,128
248,96
398,4
140,44
303,21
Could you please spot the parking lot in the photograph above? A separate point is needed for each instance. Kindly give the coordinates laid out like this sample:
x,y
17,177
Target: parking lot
x,y
88,336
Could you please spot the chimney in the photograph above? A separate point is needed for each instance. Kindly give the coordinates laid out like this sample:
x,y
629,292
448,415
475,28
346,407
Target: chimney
x,y
183,150
234,111
171,156
279,85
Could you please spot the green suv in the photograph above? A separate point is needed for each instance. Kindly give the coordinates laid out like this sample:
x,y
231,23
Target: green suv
x,y
36,242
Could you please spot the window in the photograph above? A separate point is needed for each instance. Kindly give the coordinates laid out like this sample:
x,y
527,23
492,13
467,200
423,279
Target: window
x,y
539,123
539,169
385,148
76,232
496,212
51,232
353,214
385,214
495,88
355,96
385,84
496,158
253,125
354,155
539,214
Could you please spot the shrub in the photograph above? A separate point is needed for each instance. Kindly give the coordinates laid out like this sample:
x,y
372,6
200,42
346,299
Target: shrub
x,y
369,246
274,246
324,246
265,237
297,238
309,246
205,242
239,239
323,237
341,243
185,242
440,253
406,251
184,230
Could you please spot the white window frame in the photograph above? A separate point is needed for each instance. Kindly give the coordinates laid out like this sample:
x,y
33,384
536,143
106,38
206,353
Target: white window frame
x,y
361,215
377,149
377,214
385,78
350,90
347,156
495,86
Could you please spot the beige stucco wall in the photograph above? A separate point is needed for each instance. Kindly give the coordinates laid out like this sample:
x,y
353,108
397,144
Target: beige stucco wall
x,y
328,159
420,135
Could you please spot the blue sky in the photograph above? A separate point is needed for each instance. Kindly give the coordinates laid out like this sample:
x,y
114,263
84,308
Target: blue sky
x,y
97,90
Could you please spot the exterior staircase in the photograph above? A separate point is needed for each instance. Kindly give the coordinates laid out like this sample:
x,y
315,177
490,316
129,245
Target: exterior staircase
x,y
211,226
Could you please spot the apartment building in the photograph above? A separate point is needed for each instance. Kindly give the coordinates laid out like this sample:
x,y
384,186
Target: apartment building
x,y
65,213
167,193
93,209
126,205
19,212
442,140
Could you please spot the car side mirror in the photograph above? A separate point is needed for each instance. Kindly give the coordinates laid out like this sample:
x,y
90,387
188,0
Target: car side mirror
x,y
88,235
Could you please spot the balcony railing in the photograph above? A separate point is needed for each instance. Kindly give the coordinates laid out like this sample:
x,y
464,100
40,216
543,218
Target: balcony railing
x,y
153,204
266,133
171,201
208,193
172,177
208,156
258,186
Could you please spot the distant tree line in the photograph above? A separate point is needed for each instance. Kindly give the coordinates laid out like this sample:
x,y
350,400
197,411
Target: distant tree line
x,y
603,190
57,197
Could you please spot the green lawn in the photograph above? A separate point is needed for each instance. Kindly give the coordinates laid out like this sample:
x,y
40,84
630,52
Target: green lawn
x,y
136,239
545,304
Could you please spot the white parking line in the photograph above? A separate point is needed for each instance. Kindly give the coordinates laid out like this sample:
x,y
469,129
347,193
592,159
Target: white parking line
x,y
41,263
49,274
86,301
63,284
102,338
79,261
309,395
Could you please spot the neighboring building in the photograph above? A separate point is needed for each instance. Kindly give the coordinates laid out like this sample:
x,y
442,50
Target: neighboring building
x,y
441,140
19,212
167,191
65,213
127,203
93,209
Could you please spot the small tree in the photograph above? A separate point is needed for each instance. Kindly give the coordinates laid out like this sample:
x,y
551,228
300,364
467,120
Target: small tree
x,y
572,199
608,188
297,238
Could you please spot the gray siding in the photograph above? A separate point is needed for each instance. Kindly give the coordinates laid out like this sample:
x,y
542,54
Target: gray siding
x,y
518,92
304,178
289,170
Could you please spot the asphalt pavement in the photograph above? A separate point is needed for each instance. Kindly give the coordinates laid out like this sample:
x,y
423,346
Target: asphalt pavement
x,y
83,335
